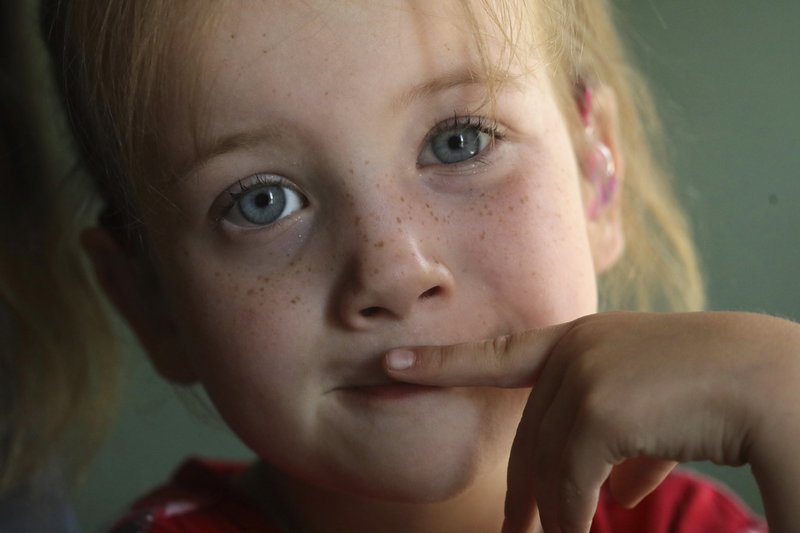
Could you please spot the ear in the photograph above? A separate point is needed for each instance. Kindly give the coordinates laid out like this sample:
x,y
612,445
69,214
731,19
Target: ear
x,y
130,285
602,165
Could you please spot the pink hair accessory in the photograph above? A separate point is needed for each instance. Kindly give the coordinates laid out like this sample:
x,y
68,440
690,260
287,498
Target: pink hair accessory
x,y
598,162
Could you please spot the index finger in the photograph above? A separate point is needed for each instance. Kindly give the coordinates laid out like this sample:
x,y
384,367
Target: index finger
x,y
508,361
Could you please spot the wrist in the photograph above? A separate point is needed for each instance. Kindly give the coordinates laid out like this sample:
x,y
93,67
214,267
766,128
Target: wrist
x,y
774,414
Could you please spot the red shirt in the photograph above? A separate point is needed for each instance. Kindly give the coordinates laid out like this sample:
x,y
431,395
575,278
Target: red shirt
x,y
201,497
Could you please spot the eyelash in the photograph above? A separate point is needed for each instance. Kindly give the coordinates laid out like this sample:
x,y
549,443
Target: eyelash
x,y
244,186
481,123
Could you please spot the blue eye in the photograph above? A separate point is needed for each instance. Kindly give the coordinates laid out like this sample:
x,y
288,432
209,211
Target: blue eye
x,y
457,140
263,203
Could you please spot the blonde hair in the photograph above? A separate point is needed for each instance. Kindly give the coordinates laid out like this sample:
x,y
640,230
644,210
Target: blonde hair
x,y
582,46
112,58
660,268
57,358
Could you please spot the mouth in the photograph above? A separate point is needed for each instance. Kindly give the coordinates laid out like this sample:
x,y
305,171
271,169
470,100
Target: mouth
x,y
389,392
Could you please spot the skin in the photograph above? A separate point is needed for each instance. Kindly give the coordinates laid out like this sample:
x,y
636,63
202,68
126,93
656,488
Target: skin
x,y
739,407
286,325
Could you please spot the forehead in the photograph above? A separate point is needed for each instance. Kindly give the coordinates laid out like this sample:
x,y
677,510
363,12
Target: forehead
x,y
287,56
345,33
304,46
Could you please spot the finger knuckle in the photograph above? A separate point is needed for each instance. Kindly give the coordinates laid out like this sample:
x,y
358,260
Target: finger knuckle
x,y
495,353
585,332
499,346
443,359
599,415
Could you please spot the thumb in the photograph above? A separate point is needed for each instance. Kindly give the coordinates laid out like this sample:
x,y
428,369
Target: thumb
x,y
635,478
508,361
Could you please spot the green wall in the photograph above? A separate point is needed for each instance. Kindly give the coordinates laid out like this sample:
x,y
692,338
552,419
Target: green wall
x,y
727,73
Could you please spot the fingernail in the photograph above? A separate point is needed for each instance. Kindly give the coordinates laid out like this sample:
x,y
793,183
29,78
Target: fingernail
x,y
400,359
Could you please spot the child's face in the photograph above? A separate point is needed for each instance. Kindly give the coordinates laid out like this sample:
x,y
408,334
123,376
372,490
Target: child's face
x,y
368,223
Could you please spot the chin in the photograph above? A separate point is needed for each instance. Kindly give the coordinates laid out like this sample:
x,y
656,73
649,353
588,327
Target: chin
x,y
430,453
432,464
421,482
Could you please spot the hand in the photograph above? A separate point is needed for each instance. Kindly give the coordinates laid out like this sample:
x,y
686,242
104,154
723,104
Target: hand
x,y
626,395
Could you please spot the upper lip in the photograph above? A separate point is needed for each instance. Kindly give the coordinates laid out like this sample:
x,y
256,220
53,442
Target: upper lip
x,y
366,388
367,369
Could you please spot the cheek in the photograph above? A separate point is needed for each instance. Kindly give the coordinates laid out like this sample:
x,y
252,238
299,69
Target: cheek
x,y
245,332
252,338
528,244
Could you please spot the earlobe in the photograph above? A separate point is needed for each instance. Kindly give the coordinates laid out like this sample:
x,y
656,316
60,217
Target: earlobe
x,y
602,167
123,279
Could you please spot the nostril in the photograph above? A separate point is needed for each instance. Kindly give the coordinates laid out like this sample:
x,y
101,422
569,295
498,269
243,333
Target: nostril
x,y
370,311
430,293
378,311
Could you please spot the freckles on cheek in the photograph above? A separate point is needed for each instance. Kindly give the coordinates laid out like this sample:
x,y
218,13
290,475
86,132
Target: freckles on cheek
x,y
226,313
508,219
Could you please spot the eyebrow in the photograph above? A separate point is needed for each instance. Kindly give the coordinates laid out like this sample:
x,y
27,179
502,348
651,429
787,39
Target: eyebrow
x,y
450,80
270,133
205,152
457,78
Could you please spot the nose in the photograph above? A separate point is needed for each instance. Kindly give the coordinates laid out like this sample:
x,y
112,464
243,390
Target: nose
x,y
390,278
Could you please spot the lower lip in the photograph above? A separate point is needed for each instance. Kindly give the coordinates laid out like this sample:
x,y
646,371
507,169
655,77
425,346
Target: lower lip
x,y
394,391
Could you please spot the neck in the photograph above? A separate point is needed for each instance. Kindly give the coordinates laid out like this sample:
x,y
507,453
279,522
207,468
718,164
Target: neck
x,y
297,506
